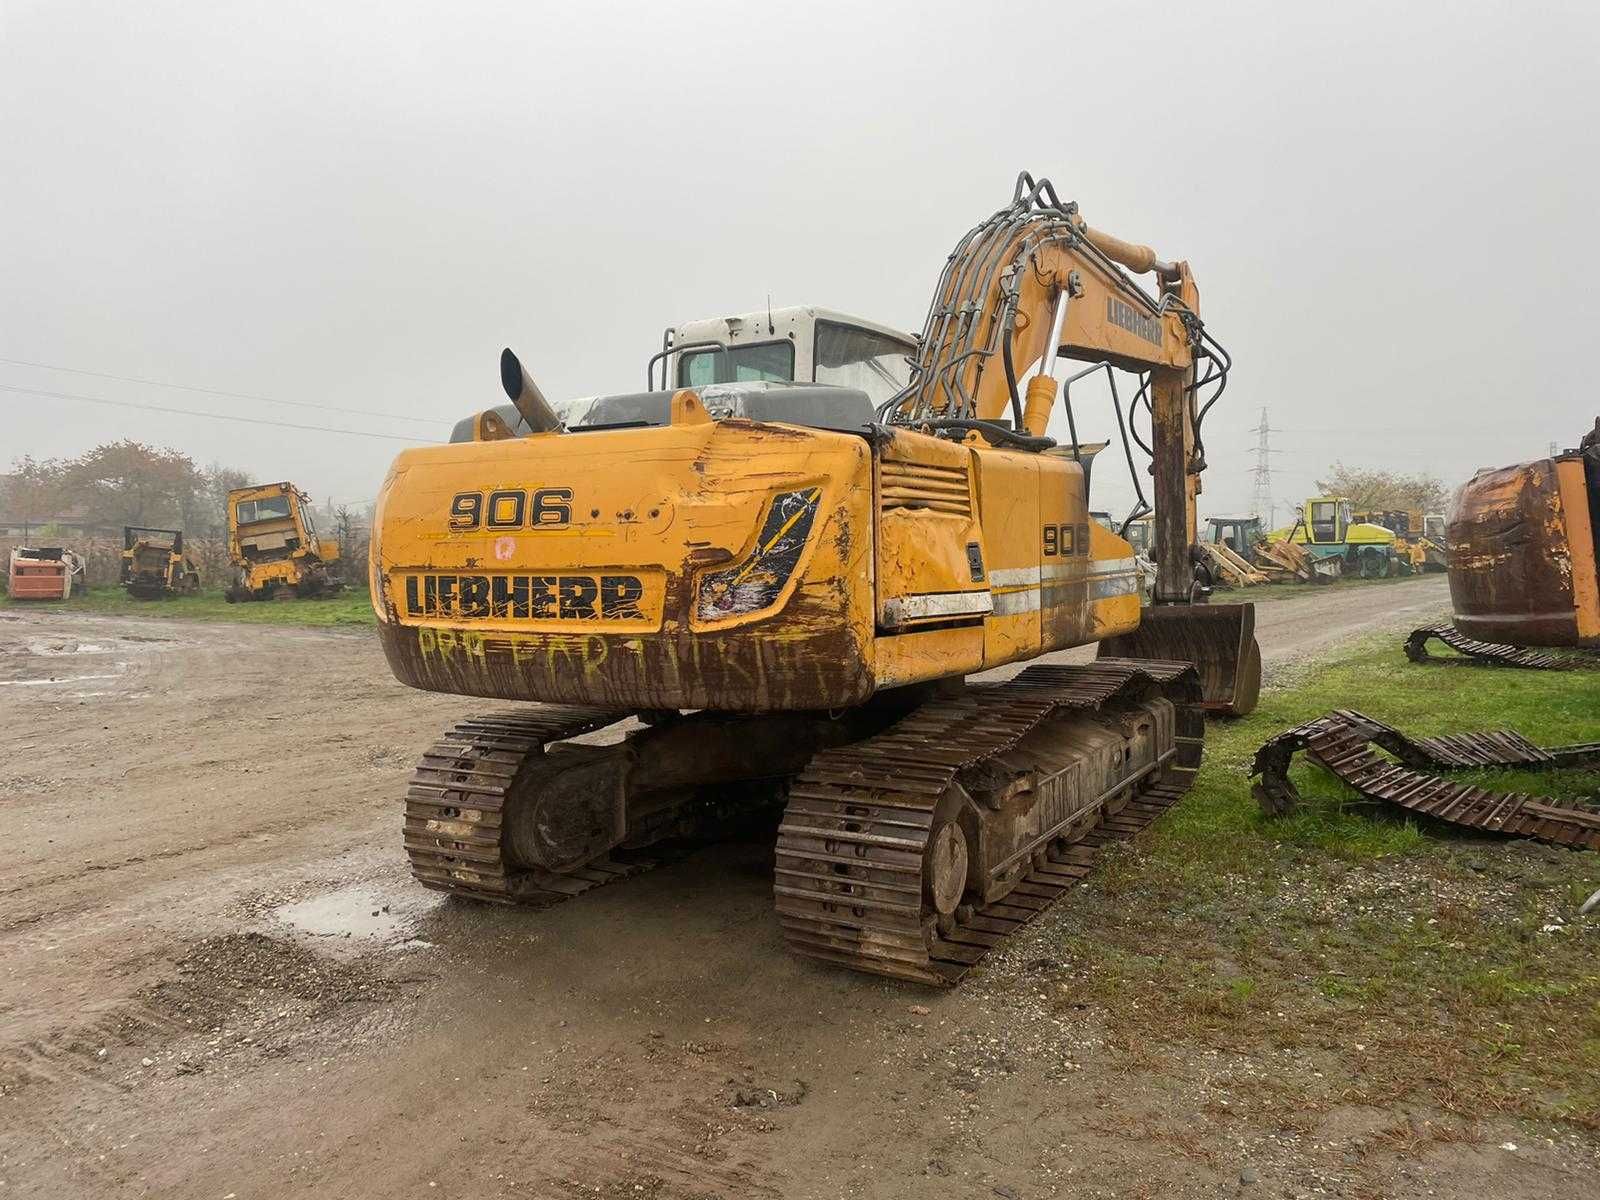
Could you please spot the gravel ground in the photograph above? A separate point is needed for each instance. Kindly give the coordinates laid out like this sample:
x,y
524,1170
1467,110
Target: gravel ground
x,y
217,980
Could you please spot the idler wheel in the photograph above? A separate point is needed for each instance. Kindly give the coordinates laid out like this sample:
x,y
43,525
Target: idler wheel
x,y
944,868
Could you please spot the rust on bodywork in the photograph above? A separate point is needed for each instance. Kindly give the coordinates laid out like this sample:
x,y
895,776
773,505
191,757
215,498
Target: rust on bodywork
x,y
1523,553
819,665
694,566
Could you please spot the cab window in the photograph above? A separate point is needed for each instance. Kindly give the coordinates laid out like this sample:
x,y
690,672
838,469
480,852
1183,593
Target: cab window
x,y
1325,521
848,356
737,364
266,509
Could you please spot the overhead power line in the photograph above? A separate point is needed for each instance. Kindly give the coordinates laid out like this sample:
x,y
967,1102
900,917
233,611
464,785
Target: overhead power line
x,y
187,412
205,391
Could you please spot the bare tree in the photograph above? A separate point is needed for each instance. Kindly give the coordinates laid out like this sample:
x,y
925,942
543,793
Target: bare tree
x,y
1373,490
219,481
353,530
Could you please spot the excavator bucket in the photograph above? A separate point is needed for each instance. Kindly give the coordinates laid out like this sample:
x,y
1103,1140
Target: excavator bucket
x,y
1219,639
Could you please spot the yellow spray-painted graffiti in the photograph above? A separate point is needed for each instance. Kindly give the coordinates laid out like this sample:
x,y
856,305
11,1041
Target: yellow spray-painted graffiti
x,y
585,654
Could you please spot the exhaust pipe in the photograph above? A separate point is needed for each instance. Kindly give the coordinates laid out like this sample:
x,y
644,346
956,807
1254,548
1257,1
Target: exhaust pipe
x,y
525,394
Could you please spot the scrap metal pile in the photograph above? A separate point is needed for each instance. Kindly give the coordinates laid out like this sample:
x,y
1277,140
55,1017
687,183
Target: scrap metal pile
x,y
1347,743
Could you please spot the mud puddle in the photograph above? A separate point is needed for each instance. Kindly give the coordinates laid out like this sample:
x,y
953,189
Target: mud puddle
x,y
361,914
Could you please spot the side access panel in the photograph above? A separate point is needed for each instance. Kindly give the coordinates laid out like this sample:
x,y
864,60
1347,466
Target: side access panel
x,y
931,562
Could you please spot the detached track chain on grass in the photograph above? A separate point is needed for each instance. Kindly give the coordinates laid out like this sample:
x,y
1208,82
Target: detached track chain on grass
x,y
1492,654
454,802
850,855
1342,743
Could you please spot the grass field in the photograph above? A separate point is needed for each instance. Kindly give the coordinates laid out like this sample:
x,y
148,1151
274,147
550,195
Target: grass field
x,y
349,607
1412,963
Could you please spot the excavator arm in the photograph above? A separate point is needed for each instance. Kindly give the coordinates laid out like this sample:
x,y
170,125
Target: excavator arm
x,y
1036,282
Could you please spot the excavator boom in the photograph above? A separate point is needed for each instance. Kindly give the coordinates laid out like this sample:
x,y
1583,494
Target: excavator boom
x,y
1035,282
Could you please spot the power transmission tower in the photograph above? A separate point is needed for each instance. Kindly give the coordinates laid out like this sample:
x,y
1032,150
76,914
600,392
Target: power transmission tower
x,y
1261,499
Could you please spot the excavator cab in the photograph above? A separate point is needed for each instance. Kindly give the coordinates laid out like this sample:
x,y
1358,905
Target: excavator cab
x,y
1238,534
751,365
799,344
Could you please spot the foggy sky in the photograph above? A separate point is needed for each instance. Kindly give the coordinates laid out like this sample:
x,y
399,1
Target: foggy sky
x,y
1387,207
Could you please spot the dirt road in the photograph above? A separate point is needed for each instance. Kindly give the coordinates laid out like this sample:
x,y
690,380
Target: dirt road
x,y
217,980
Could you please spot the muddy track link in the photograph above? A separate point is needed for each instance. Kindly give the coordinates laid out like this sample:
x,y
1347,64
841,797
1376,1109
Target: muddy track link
x,y
1492,654
455,798
1343,742
849,874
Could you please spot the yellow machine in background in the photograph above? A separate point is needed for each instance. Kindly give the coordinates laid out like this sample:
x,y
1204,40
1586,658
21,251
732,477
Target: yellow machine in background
x,y
1417,548
154,565
273,545
789,582
1328,530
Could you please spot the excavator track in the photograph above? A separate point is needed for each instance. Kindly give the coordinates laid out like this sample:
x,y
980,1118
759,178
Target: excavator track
x,y
1343,741
1493,654
458,791
854,845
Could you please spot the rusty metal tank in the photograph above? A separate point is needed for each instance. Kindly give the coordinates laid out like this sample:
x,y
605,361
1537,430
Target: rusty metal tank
x,y
1524,546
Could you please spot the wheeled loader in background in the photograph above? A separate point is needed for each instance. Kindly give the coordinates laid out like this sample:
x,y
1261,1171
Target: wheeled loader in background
x,y
791,582
154,565
1276,561
1326,529
1417,551
1229,545
273,546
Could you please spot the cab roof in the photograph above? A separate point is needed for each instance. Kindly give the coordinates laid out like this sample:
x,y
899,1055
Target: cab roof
x,y
779,322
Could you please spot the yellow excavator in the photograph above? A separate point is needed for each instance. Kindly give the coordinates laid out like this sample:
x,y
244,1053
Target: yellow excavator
x,y
787,584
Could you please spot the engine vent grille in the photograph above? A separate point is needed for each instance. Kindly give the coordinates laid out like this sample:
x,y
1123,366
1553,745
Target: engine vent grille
x,y
920,485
